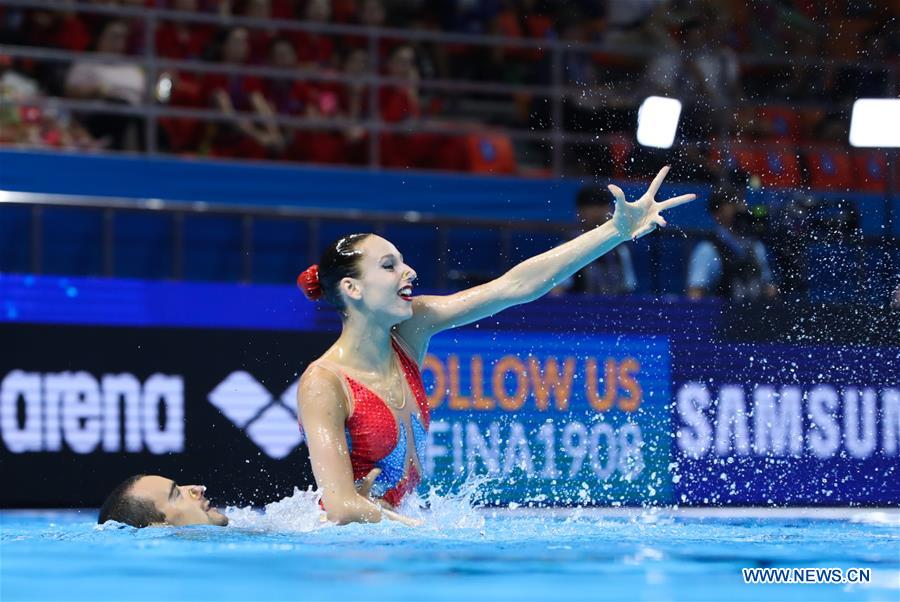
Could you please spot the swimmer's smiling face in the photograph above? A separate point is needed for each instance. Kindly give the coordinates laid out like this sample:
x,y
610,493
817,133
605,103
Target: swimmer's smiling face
x,y
180,504
385,285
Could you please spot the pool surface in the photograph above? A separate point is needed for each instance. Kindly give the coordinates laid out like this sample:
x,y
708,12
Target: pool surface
x,y
461,553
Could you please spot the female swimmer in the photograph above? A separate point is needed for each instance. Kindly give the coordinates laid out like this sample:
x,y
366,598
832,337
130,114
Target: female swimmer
x,y
362,404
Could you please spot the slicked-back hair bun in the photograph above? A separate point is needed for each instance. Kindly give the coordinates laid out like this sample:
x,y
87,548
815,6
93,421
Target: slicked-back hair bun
x,y
339,261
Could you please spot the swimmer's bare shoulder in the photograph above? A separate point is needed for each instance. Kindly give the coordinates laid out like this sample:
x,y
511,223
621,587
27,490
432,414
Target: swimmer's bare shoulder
x,y
320,390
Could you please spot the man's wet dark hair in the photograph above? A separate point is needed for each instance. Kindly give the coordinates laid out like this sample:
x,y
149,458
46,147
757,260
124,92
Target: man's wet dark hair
x,y
593,196
123,507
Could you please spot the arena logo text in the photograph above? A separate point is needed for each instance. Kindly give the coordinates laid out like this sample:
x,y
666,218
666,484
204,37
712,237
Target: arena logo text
x,y
116,412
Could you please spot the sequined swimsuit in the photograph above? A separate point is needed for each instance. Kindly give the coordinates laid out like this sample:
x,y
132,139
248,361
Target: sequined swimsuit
x,y
377,439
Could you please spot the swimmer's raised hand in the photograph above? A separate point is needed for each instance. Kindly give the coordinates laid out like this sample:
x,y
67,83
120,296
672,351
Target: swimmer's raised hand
x,y
634,220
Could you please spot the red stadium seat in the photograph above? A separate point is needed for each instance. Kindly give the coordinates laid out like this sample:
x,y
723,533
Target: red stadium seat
x,y
870,171
490,153
830,169
809,120
620,149
781,123
780,167
511,25
774,166
746,159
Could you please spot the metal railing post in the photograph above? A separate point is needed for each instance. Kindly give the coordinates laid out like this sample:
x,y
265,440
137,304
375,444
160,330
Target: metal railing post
x,y
655,265
37,239
505,247
374,116
150,66
557,110
312,243
178,246
109,241
443,255
247,249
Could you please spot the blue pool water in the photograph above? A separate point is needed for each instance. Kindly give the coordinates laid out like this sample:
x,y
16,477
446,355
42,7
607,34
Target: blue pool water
x,y
459,554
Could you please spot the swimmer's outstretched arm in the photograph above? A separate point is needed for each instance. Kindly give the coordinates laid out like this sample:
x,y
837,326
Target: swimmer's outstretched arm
x,y
537,275
322,406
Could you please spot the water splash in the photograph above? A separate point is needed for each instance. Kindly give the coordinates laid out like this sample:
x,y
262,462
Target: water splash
x,y
299,512
443,511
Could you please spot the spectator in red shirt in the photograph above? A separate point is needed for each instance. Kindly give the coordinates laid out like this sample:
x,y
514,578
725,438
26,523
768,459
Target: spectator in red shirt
x,y
353,97
287,96
184,41
315,49
260,38
55,30
48,29
137,39
180,40
372,13
400,103
113,82
335,100
242,138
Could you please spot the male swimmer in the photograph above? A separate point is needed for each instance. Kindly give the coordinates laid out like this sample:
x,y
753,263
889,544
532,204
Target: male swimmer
x,y
155,501
151,501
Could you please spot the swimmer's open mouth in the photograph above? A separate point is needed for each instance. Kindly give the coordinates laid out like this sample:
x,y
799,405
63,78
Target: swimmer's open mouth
x,y
405,293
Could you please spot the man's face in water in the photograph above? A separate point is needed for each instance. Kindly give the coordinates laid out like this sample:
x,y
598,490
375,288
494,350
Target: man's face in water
x,y
181,504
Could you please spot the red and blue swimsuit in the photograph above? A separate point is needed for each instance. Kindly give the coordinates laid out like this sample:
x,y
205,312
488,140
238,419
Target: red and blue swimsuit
x,y
376,439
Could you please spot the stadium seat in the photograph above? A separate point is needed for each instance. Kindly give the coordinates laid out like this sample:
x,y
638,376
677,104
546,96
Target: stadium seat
x,y
774,166
870,171
509,25
620,149
780,123
779,167
808,121
829,169
745,159
490,153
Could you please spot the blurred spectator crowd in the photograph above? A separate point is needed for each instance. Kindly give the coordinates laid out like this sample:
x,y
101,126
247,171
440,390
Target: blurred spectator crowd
x,y
807,248
758,78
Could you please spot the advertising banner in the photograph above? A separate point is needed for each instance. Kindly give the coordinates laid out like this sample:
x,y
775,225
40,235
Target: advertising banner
x,y
785,424
82,408
553,419
543,418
